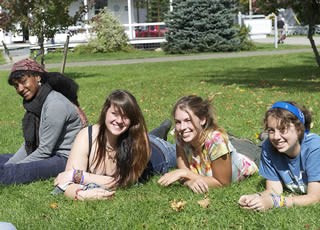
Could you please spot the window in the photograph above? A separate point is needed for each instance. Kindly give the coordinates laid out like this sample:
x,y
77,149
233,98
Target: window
x,y
99,5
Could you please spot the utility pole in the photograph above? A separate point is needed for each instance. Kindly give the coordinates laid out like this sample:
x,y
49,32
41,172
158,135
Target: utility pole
x,y
250,7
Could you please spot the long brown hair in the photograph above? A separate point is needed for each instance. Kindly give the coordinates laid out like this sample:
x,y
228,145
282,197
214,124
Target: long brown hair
x,y
202,109
132,147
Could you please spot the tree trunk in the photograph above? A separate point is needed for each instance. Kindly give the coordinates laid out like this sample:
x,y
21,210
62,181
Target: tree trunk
x,y
313,45
41,41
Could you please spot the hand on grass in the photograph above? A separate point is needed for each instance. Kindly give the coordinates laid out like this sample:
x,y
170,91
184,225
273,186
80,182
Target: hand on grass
x,y
95,194
64,177
172,177
197,185
256,202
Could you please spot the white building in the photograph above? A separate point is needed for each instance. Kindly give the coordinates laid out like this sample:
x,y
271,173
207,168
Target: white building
x,y
129,17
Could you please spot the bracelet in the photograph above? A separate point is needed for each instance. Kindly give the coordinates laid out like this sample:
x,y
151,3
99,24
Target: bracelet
x,y
76,195
276,200
281,201
77,177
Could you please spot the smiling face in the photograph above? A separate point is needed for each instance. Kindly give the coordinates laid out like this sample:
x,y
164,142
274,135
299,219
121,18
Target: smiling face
x,y
188,126
284,140
116,122
27,86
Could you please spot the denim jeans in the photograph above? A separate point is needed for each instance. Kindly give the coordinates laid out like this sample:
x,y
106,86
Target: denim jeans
x,y
162,158
32,171
168,149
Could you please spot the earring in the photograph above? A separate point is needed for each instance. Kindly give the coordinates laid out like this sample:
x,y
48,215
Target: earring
x,y
39,83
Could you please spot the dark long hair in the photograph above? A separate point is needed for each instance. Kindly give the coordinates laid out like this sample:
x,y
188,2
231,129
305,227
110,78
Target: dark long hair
x,y
58,82
287,117
132,147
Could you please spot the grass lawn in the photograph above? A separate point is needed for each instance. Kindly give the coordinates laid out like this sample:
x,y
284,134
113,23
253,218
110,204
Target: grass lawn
x,y
56,57
249,86
2,60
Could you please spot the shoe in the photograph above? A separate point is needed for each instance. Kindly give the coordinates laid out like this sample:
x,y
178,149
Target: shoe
x,y
162,130
166,124
263,135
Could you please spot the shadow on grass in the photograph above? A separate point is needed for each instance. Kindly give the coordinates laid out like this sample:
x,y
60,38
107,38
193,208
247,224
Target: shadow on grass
x,y
77,75
303,77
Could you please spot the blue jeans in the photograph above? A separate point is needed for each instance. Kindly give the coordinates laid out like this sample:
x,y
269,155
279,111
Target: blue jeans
x,y
32,171
168,149
162,158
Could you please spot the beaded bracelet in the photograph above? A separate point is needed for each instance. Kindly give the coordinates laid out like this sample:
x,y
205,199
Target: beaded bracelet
x,y
279,201
276,200
77,177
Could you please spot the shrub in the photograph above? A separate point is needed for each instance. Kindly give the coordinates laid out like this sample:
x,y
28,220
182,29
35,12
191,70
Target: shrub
x,y
245,42
83,49
109,33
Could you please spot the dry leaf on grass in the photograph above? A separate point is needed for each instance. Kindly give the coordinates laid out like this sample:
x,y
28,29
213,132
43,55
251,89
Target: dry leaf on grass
x,y
204,203
177,205
53,205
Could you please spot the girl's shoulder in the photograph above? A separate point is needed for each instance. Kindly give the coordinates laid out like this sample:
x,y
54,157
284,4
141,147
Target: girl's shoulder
x,y
311,140
216,137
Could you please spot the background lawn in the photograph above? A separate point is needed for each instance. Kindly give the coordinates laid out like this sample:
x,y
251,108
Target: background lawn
x,y
2,60
56,57
249,86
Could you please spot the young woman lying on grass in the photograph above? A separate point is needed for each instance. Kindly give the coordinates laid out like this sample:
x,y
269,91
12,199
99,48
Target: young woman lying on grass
x,y
205,157
116,151
51,122
290,157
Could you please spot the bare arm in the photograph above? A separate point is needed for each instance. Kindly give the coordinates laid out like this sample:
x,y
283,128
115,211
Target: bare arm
x,y
93,194
261,201
222,171
312,197
78,159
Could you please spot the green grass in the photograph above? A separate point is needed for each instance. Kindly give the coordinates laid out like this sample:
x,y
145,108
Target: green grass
x,y
249,86
56,57
2,60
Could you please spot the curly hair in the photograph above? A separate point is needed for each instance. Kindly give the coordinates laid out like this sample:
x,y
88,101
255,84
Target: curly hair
x,y
286,118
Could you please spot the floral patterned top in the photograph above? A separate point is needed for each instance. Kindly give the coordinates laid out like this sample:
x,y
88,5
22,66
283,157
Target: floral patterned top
x,y
215,147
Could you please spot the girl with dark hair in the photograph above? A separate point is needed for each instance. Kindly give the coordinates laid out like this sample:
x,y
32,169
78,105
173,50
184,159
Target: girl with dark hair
x,y
290,157
115,152
50,124
205,156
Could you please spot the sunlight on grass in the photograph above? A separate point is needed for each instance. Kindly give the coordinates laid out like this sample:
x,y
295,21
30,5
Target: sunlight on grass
x,y
248,85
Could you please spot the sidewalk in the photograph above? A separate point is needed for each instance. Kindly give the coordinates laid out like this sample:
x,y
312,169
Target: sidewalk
x,y
289,40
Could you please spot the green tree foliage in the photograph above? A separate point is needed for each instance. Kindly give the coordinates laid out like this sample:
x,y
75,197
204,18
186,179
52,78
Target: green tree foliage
x,y
109,33
307,11
43,18
157,9
201,26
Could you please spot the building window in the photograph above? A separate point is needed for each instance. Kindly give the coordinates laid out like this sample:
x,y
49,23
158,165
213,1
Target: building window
x,y
99,5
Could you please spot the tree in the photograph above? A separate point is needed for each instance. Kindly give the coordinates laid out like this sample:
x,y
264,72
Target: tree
x,y
110,34
307,11
201,25
157,9
43,18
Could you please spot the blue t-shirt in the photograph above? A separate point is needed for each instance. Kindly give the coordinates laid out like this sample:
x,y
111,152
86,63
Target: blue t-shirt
x,y
297,172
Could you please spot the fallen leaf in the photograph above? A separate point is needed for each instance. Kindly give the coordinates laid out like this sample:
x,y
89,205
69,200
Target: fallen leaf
x,y
204,203
53,205
177,205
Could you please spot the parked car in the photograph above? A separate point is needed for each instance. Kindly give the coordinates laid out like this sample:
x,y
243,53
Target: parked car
x,y
151,31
